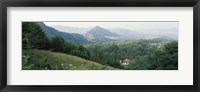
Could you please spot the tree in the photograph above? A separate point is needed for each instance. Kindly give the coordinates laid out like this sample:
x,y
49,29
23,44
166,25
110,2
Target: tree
x,y
33,36
167,58
58,44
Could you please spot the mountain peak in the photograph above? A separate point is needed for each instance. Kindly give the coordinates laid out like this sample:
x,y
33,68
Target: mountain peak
x,y
98,31
97,27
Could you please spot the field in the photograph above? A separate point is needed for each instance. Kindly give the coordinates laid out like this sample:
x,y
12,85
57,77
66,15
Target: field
x,y
47,60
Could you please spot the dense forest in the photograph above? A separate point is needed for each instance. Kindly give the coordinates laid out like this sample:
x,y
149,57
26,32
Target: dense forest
x,y
152,54
144,54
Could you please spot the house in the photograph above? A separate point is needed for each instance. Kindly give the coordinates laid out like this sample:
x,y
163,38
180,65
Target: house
x,y
124,62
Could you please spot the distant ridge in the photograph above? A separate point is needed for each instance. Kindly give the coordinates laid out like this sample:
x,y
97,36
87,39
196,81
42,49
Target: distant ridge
x,y
70,29
51,32
100,34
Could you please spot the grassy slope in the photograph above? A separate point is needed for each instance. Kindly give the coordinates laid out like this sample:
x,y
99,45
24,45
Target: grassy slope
x,y
66,62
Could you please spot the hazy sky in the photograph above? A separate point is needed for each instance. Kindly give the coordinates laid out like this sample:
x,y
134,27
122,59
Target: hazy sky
x,y
134,26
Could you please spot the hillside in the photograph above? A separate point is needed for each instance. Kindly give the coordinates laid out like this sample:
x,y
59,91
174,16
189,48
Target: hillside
x,y
41,60
51,32
142,54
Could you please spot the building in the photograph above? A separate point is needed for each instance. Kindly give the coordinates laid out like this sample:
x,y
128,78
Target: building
x,y
125,62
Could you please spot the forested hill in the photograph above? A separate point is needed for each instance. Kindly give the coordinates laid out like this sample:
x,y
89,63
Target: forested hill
x,y
51,32
155,54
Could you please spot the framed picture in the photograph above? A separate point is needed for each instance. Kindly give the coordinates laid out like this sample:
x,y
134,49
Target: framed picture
x,y
129,45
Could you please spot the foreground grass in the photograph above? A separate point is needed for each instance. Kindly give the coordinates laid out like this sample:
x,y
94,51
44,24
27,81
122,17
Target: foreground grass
x,y
47,60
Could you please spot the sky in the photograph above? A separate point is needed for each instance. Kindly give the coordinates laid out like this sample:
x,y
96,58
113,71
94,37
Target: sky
x,y
148,27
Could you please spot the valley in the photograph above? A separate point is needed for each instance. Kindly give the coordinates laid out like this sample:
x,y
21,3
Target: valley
x,y
96,48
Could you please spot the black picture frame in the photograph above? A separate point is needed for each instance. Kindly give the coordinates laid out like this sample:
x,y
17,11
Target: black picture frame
x,y
99,3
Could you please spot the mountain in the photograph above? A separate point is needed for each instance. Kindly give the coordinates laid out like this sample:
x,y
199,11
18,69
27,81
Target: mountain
x,y
71,29
127,34
51,32
100,34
